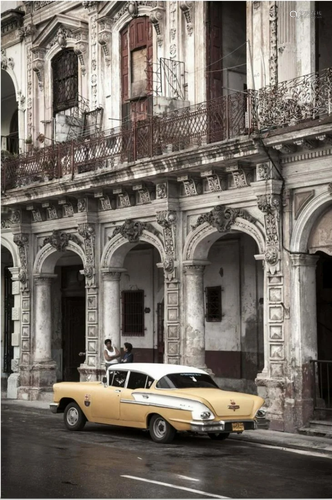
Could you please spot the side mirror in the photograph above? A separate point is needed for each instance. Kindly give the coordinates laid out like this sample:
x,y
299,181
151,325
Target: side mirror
x,y
104,380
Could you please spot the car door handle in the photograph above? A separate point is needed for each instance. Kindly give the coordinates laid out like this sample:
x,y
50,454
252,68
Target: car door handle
x,y
117,390
145,396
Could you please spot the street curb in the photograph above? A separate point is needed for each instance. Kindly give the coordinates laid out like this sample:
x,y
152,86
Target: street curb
x,y
318,445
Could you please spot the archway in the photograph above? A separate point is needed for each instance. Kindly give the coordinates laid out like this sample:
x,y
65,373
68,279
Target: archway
x,y
233,296
68,322
133,286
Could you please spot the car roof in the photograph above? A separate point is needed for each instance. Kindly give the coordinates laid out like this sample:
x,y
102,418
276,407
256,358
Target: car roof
x,y
156,370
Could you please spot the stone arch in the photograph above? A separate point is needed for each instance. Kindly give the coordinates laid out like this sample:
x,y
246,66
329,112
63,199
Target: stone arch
x,y
200,240
117,248
12,249
306,220
47,257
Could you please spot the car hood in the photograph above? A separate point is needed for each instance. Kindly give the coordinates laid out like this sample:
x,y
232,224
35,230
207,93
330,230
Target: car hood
x,y
225,403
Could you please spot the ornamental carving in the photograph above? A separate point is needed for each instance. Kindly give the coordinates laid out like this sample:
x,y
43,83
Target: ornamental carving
x,y
264,171
273,44
161,191
81,48
270,206
58,240
213,182
38,64
105,38
222,218
87,231
22,241
157,20
167,220
187,8
131,230
6,61
240,179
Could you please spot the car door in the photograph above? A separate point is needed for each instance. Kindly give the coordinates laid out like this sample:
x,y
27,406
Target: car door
x,y
135,399
105,405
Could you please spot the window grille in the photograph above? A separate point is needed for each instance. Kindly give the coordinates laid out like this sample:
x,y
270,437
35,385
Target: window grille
x,y
65,81
133,313
213,303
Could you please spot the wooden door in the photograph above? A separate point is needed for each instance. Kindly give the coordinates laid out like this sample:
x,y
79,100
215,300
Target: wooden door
x,y
73,336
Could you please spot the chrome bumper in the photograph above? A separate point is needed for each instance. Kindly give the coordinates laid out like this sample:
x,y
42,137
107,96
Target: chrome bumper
x,y
221,426
54,407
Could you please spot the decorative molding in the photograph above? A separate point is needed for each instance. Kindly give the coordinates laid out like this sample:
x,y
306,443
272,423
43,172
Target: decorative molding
x,y
191,187
270,206
25,32
161,190
88,233
187,8
131,230
22,241
264,171
222,218
300,201
240,178
285,148
324,138
6,61
60,240
213,181
307,144
167,220
81,48
38,64
105,38
273,43
157,16
307,155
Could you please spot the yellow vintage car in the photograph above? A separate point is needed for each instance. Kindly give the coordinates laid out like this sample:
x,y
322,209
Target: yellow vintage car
x,y
162,398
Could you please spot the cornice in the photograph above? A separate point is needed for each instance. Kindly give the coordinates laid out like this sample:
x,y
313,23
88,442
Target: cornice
x,y
305,155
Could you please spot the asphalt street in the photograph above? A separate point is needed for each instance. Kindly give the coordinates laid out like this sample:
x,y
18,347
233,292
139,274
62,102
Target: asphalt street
x,y
41,459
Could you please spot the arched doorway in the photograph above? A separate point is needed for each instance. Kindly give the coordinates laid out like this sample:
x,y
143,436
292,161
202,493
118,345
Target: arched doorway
x,y
7,304
233,294
320,244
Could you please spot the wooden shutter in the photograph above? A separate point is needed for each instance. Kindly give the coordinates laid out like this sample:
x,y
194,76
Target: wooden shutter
x,y
124,65
214,81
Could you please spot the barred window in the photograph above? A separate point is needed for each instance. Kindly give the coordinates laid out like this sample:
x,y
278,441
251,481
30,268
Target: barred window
x,y
65,80
213,303
133,313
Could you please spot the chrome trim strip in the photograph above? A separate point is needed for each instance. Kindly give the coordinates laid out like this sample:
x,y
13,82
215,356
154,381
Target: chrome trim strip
x,y
149,403
54,407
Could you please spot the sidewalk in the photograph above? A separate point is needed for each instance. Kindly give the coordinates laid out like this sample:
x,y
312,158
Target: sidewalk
x,y
261,436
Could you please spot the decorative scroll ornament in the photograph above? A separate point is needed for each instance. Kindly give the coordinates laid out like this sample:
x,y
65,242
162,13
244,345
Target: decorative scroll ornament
x,y
264,171
133,9
270,206
273,44
161,190
59,240
105,38
38,65
131,230
22,241
87,231
167,220
61,37
26,31
186,8
81,48
157,19
6,61
222,218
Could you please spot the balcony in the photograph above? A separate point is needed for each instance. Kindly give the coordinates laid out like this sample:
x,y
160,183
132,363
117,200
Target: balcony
x,y
296,102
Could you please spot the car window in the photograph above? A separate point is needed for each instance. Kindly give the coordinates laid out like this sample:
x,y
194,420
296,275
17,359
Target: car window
x,y
149,382
136,380
186,381
118,379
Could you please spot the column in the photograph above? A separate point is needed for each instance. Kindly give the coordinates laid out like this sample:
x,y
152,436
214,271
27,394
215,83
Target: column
x,y
111,305
303,334
43,372
194,342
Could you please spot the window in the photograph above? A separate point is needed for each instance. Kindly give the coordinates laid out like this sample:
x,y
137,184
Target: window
x,y
133,313
118,378
65,81
213,303
186,381
136,380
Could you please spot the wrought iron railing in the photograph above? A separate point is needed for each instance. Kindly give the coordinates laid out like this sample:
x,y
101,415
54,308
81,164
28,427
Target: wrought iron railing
x,y
322,384
294,101
285,104
209,122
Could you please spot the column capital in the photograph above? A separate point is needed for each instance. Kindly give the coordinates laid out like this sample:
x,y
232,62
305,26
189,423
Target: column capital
x,y
112,273
195,267
307,260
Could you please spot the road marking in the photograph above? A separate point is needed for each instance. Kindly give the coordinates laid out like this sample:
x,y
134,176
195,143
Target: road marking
x,y
294,450
189,478
176,487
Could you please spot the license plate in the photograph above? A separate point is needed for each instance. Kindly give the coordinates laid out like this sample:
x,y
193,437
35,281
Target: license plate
x,y
237,426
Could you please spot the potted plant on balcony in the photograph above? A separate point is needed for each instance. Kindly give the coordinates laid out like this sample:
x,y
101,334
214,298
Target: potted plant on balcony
x,y
28,142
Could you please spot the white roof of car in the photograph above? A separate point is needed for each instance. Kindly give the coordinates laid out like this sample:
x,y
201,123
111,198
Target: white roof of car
x,y
156,370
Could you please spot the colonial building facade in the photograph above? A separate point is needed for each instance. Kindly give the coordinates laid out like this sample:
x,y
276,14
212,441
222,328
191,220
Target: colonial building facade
x,y
167,181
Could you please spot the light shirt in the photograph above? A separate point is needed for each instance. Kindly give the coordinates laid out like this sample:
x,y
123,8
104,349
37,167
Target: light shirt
x,y
111,353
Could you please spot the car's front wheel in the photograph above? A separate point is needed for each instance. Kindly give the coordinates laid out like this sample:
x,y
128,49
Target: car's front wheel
x,y
160,430
74,417
219,437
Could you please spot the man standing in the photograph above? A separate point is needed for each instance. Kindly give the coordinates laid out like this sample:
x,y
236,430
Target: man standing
x,y
111,353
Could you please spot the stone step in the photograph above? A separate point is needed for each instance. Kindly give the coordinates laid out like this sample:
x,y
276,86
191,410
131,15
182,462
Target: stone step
x,y
322,428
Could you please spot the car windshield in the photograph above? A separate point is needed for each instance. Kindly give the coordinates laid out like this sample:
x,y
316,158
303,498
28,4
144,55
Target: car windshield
x,y
186,381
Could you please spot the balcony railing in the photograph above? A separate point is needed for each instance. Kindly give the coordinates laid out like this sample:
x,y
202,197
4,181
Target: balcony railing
x,y
208,122
275,107
294,101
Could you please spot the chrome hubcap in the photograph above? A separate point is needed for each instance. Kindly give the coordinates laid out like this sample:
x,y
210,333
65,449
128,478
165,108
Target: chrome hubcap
x,y
72,416
159,427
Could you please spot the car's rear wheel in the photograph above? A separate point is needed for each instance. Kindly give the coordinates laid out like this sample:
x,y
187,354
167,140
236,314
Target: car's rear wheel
x,y
74,417
160,430
218,436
